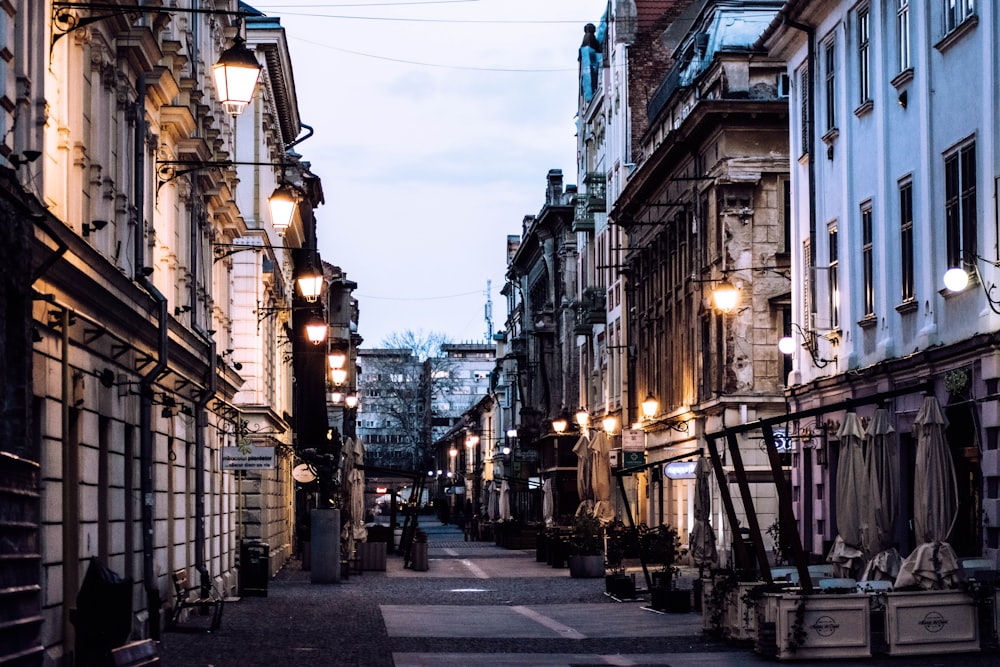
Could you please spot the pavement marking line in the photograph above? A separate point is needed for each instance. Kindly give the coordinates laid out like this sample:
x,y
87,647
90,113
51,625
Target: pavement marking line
x,y
451,552
477,571
564,631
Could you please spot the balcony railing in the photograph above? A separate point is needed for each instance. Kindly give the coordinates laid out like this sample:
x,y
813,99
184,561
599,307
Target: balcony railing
x,y
591,309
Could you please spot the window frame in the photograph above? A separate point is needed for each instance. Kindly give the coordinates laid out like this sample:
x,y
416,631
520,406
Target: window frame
x,y
863,32
833,274
957,12
868,259
960,203
904,53
907,286
830,85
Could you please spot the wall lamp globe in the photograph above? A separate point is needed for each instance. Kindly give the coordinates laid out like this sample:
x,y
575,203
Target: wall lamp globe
x,y
956,279
610,424
310,283
351,401
338,376
810,341
453,452
725,297
336,397
582,419
471,440
512,433
337,360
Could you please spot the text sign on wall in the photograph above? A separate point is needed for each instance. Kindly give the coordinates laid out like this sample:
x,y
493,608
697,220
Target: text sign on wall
x,y
258,458
634,440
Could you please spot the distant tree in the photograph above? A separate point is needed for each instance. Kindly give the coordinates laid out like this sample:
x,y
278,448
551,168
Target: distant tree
x,y
424,346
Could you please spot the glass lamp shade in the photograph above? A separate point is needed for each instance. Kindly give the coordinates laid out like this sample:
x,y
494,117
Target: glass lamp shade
x,y
316,331
310,284
505,450
338,375
650,406
236,76
453,452
512,433
337,360
351,401
725,296
956,279
471,441
610,424
336,397
559,425
582,418
786,345
283,203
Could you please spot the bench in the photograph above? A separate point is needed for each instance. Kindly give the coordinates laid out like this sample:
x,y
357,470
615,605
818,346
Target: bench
x,y
136,654
191,597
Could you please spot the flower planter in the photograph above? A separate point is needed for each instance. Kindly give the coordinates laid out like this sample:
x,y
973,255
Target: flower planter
x,y
739,619
586,567
372,555
925,622
792,626
670,600
621,586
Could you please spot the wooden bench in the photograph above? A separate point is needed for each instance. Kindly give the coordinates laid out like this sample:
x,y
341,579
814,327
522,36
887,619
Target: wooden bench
x,y
190,597
136,654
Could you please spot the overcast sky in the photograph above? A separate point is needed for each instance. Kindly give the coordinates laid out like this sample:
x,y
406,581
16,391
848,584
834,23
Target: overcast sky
x,y
433,138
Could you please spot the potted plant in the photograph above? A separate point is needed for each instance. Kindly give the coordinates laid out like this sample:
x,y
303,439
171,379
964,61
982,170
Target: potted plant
x,y
586,547
662,547
618,540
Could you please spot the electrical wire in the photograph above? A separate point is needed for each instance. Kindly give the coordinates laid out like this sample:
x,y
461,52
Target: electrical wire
x,y
423,64
417,298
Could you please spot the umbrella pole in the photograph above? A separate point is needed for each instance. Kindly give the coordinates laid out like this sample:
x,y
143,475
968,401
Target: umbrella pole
x,y
631,522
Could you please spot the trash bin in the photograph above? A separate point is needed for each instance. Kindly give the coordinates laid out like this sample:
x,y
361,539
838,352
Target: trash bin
x,y
255,568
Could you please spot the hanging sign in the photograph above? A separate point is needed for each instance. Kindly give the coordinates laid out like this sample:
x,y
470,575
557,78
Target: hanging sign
x,y
258,458
634,440
303,473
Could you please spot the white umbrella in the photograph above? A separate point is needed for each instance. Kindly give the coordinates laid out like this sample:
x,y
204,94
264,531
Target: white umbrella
x,y
878,526
494,505
702,539
933,564
584,472
357,498
548,502
504,501
852,493
601,477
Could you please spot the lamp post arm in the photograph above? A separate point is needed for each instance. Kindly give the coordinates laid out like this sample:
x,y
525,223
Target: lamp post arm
x,y
64,22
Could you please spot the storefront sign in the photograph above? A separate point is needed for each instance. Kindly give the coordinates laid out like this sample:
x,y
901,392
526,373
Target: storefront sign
x,y
633,459
633,440
258,458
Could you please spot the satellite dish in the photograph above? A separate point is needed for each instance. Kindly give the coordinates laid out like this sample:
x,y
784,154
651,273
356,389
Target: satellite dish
x,y
303,473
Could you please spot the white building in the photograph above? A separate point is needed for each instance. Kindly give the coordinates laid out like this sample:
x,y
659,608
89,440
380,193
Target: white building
x,y
895,162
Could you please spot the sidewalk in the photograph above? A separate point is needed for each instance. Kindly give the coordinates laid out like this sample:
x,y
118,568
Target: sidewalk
x,y
477,603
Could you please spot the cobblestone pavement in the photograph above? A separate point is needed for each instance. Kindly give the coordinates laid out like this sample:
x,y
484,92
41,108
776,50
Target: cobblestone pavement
x,y
477,603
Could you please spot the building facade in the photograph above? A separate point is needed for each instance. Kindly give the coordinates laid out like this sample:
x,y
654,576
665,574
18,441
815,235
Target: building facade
x,y
892,135
131,315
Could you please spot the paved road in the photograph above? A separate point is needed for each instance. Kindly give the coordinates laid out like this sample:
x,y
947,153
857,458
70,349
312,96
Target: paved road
x,y
476,604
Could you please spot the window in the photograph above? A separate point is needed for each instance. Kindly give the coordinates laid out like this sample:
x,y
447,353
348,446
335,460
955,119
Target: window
x,y
864,52
829,61
833,277
956,11
804,110
867,260
960,203
903,33
906,240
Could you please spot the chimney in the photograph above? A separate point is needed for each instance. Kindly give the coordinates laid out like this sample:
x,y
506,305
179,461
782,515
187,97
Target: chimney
x,y
553,195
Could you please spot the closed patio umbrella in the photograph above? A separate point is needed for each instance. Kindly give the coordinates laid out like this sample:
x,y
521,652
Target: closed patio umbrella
x,y
933,564
702,539
601,477
852,498
878,526
504,501
584,472
357,492
548,502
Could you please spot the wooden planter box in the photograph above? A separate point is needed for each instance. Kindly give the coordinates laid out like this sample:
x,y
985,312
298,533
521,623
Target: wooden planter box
x,y
926,622
831,626
621,586
670,600
740,620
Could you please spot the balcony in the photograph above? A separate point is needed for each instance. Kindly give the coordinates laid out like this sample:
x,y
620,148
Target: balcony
x,y
591,309
597,189
583,217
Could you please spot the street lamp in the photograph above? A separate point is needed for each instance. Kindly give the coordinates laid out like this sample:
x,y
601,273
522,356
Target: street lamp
x,y
559,425
725,296
316,330
610,424
351,401
582,419
650,406
310,283
338,375
282,203
236,75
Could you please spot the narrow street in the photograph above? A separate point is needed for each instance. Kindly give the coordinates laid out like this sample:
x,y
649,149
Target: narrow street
x,y
477,602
